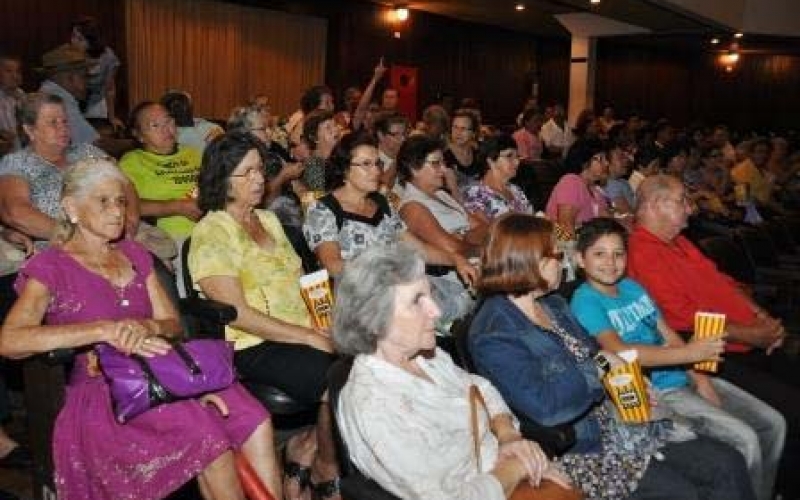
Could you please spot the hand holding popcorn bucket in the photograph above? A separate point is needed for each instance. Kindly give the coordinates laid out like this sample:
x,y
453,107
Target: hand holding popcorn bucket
x,y
316,291
627,388
708,325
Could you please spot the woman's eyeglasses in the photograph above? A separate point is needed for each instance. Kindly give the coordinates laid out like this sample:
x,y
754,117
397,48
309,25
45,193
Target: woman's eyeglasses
x,y
366,165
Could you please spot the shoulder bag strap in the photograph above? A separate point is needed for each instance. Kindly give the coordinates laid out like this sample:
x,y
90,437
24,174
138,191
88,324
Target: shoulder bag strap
x,y
475,399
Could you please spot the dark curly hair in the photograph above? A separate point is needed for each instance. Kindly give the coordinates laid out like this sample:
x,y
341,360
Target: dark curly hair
x,y
220,159
342,156
490,148
311,124
312,97
412,154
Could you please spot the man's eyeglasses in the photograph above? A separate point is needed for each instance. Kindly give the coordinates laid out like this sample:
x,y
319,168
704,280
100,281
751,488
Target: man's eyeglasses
x,y
398,134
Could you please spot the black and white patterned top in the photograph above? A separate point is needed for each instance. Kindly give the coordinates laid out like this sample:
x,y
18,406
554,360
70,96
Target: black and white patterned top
x,y
357,232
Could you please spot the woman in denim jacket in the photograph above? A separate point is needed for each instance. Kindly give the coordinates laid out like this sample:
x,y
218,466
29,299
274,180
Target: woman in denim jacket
x,y
526,341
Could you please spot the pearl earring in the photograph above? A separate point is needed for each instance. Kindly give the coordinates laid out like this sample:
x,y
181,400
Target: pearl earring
x,y
73,219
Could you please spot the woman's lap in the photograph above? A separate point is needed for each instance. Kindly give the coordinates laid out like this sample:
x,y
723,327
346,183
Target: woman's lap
x,y
151,455
298,370
701,468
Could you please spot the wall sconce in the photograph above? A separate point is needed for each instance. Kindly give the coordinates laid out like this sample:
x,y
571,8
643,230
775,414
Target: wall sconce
x,y
729,60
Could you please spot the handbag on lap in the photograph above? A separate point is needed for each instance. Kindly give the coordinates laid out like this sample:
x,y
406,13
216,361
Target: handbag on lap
x,y
190,369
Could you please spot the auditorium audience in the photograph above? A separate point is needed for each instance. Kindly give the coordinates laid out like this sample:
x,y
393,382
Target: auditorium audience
x,y
525,341
162,171
391,129
66,72
279,166
354,216
239,255
528,138
318,97
682,281
320,133
423,447
497,160
460,154
92,287
385,197
193,132
30,179
101,83
576,198
620,314
433,215
556,134
10,97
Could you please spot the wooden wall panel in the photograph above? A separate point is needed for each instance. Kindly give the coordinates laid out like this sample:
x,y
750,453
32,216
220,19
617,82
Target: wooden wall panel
x,y
222,53
689,86
496,66
32,27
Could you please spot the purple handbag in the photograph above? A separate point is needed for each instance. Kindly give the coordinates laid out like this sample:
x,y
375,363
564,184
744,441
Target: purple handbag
x,y
190,369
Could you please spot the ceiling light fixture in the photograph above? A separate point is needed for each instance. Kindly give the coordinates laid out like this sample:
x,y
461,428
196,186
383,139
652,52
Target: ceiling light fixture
x,y
738,34
714,41
401,13
595,2
520,6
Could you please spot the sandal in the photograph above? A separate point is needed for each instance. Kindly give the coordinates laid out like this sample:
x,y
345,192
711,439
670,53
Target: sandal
x,y
301,474
326,489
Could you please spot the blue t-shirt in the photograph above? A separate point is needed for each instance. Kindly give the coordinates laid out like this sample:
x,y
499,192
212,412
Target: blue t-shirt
x,y
633,315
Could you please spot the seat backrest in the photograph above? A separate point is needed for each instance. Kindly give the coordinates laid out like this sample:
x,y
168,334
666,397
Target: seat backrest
x,y
780,235
354,485
185,276
553,440
728,257
757,246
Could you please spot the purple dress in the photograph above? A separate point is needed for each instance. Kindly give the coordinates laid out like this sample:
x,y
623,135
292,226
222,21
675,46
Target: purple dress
x,y
152,455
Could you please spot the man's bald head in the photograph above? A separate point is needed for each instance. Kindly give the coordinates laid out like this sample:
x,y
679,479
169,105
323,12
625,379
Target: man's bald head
x,y
661,205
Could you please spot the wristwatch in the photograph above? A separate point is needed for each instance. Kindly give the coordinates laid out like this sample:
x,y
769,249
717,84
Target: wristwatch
x,y
602,362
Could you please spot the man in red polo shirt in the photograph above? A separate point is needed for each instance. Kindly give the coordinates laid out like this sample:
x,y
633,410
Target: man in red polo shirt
x,y
683,281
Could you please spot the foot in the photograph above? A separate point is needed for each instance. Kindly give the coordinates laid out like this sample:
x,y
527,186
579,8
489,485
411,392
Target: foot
x,y
327,490
296,481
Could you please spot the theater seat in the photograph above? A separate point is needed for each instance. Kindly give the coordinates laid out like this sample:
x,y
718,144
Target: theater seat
x,y
354,485
287,414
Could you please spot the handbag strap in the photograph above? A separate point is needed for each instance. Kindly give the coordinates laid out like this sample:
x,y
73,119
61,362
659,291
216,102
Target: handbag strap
x,y
475,399
191,364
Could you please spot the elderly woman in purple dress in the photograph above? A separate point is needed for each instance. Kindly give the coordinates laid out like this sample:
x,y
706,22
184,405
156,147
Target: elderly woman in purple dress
x,y
90,286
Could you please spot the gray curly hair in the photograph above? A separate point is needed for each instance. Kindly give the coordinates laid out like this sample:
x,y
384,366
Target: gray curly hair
x,y
365,295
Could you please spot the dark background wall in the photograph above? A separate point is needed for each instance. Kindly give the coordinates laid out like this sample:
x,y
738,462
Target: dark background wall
x,y
31,27
681,79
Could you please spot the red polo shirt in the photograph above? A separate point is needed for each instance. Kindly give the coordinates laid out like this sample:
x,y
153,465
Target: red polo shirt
x,y
683,281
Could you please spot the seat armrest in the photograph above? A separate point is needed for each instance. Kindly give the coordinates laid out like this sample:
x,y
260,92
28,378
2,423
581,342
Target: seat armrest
x,y
58,356
208,310
205,318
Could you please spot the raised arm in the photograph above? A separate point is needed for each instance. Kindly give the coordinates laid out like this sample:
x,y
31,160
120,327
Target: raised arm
x,y
366,97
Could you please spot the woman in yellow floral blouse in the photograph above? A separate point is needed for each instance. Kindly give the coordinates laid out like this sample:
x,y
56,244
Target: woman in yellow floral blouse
x,y
240,255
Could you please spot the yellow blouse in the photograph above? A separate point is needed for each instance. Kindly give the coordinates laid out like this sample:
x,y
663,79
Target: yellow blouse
x,y
269,278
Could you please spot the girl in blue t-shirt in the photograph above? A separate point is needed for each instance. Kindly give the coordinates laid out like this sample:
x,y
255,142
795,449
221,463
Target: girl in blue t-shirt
x,y
621,315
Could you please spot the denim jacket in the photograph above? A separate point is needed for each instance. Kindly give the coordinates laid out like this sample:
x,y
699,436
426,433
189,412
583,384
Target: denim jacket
x,y
532,369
